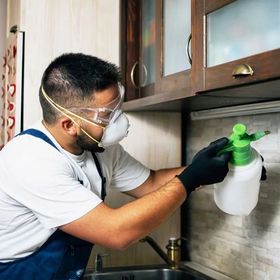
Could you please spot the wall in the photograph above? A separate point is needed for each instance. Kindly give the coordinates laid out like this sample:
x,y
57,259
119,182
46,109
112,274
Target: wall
x,y
3,13
240,247
53,27
13,14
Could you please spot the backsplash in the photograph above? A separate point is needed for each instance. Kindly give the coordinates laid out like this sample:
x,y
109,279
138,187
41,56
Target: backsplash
x,y
244,248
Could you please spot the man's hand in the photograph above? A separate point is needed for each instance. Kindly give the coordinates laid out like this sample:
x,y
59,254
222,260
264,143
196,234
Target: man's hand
x,y
206,167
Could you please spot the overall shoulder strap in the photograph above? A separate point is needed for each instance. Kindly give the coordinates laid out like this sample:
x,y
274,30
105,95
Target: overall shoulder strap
x,y
39,134
103,179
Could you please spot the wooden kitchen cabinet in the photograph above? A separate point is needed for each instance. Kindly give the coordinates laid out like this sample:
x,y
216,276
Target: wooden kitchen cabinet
x,y
155,43
235,43
234,51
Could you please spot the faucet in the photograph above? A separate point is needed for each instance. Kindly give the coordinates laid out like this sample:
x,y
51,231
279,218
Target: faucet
x,y
173,255
157,248
171,258
98,263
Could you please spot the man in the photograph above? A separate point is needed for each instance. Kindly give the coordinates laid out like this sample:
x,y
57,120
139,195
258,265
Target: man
x,y
54,176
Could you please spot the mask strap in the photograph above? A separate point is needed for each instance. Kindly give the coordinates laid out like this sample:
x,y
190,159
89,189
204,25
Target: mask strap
x,y
62,109
87,134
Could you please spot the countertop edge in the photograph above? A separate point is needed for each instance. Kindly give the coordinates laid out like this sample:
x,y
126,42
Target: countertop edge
x,y
207,271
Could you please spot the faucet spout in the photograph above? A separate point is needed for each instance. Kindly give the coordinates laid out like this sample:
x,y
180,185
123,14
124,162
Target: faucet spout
x,y
157,248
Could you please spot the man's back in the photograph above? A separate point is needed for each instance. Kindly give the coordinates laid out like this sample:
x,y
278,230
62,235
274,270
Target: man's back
x,y
19,227
42,188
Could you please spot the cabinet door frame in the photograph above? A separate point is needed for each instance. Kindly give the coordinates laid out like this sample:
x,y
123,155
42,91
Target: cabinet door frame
x,y
131,50
265,65
178,83
128,42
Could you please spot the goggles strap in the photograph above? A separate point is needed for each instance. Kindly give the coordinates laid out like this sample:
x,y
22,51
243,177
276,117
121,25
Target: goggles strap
x,y
62,109
87,134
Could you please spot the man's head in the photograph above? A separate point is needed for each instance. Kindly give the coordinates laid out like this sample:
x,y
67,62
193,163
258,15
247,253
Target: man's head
x,y
71,81
79,94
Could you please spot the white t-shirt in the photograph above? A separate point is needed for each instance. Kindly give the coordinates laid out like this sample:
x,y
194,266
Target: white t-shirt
x,y
41,189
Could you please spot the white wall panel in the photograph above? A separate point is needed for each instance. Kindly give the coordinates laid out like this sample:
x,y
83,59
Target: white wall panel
x,y
53,27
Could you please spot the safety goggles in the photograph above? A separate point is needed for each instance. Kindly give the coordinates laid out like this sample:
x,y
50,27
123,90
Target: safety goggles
x,y
102,115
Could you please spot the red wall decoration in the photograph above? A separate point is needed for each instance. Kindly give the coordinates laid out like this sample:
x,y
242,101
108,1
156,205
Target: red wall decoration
x,y
9,91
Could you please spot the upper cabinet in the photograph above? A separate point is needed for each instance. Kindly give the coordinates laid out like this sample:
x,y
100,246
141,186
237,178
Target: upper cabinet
x,y
236,42
181,50
156,57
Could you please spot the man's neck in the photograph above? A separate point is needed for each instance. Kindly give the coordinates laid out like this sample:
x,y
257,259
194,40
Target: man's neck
x,y
63,139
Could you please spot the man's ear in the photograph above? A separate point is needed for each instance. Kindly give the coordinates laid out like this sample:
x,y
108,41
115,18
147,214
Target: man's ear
x,y
69,126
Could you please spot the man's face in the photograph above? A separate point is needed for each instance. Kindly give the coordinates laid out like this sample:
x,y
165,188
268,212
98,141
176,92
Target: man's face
x,y
102,98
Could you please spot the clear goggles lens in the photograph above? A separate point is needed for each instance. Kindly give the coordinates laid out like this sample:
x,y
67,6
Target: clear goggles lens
x,y
103,115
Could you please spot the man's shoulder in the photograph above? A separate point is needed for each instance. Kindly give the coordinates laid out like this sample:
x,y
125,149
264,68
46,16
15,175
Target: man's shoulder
x,y
35,138
27,146
113,148
113,151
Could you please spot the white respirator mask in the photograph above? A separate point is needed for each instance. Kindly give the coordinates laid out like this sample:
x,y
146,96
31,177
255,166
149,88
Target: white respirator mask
x,y
116,130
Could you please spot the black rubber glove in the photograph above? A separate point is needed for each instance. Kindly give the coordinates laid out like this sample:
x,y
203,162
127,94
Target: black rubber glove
x,y
206,167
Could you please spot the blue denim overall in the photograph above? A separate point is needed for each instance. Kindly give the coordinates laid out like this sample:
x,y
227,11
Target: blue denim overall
x,y
61,257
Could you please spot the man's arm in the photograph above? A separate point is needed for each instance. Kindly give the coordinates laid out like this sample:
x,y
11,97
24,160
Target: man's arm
x,y
156,180
121,227
118,228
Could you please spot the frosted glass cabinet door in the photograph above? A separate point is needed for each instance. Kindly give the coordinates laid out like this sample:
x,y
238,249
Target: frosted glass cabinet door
x,y
176,30
148,30
242,28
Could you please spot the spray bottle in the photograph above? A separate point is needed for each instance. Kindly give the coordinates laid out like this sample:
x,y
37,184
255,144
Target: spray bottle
x,y
238,193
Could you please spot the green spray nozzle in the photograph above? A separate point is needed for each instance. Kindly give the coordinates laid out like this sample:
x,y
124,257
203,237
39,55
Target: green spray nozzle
x,y
239,144
258,135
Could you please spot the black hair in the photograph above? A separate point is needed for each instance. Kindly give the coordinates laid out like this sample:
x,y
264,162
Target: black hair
x,y
72,78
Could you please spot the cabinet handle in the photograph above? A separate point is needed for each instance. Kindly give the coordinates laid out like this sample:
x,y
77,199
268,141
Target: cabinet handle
x,y
132,75
242,70
188,49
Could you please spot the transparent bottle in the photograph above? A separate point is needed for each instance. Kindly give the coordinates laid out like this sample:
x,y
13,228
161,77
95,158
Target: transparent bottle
x,y
238,193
